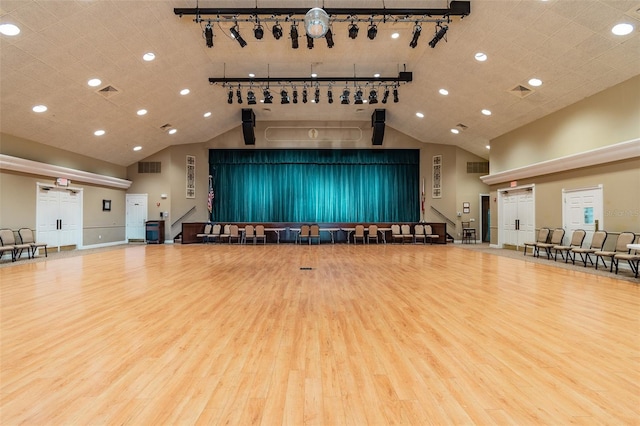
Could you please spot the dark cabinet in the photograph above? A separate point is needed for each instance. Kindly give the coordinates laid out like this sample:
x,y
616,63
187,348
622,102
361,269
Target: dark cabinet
x,y
154,231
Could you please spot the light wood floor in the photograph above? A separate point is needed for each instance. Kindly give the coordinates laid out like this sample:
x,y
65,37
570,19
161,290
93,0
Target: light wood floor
x,y
194,334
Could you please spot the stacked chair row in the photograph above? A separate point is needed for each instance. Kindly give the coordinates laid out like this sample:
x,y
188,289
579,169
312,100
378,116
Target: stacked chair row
x,y
8,243
421,232
231,233
551,243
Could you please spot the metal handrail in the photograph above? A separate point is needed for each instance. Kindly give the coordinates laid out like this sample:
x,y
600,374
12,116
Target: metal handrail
x,y
443,215
191,210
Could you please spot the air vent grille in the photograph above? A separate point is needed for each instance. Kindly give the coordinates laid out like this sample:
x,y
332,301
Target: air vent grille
x,y
521,91
108,91
478,167
149,167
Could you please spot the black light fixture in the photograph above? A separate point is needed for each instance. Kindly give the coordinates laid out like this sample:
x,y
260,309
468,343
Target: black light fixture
x,y
295,95
304,95
239,95
386,95
372,31
316,96
373,97
329,37
344,98
235,34
309,42
284,97
230,96
441,31
353,30
416,35
251,97
276,31
208,35
294,36
258,32
357,98
396,99
268,98
330,95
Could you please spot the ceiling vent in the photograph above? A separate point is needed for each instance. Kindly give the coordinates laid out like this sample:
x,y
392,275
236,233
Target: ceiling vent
x,y
108,91
462,126
521,91
165,127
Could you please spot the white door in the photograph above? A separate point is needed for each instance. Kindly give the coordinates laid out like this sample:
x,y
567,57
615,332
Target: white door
x,y
583,209
517,217
136,212
59,216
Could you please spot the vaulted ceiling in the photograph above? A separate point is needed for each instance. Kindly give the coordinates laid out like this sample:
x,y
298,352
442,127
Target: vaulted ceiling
x,y
567,44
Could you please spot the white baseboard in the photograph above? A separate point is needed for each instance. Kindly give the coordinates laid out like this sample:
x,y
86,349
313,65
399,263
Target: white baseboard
x,y
113,243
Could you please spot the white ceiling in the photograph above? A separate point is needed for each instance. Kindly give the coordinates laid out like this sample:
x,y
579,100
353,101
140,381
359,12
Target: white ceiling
x,y
568,44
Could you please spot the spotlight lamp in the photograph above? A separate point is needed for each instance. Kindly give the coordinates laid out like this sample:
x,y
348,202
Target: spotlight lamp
x,y
353,30
276,31
441,31
230,96
294,36
329,37
385,96
372,31
208,35
251,97
316,96
309,42
284,97
357,98
268,97
295,95
373,97
416,35
396,99
330,96
304,95
239,95
258,32
344,98
235,34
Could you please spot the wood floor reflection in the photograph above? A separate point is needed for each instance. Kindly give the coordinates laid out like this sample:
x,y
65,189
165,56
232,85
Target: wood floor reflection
x,y
380,334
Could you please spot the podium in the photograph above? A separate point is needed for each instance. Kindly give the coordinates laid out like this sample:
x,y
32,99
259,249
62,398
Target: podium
x,y
154,231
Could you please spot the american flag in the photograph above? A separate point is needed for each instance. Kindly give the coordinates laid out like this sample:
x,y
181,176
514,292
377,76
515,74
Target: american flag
x,y
210,197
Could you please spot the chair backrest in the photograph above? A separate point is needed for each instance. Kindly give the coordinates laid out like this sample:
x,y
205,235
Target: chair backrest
x,y
406,230
26,235
314,230
543,234
418,229
577,237
395,229
207,228
359,231
373,230
557,236
259,230
227,229
428,230
623,239
304,231
216,229
7,237
597,242
465,224
233,230
249,231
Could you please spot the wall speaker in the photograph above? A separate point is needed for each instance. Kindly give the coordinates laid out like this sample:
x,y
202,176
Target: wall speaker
x,y
248,123
377,122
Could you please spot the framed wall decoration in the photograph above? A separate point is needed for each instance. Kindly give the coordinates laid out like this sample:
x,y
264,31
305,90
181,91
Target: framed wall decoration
x,y
466,207
436,189
191,176
106,205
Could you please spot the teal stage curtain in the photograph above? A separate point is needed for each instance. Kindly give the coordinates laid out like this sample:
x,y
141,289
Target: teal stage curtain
x,y
315,185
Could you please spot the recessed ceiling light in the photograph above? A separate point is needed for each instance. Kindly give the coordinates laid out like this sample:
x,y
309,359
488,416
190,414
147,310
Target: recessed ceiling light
x,y
419,115
488,147
99,132
94,82
207,114
141,112
9,30
455,131
184,92
395,35
149,56
622,29
172,131
314,75
376,75
443,92
39,108
137,148
535,82
481,57
486,112
251,75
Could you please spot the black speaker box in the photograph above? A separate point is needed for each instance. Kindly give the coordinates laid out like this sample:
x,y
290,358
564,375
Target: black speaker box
x,y
248,123
377,122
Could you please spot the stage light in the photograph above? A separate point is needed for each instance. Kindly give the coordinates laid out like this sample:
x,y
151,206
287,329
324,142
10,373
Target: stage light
x,y
258,32
268,97
295,96
330,96
358,97
329,37
230,97
372,31
439,34
386,95
277,31
239,95
396,99
353,30
344,98
309,42
373,97
284,97
416,35
294,36
251,97
235,34
316,97
304,95
208,35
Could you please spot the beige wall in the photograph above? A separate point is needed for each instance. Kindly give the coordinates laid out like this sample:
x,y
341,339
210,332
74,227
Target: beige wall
x,y
606,118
